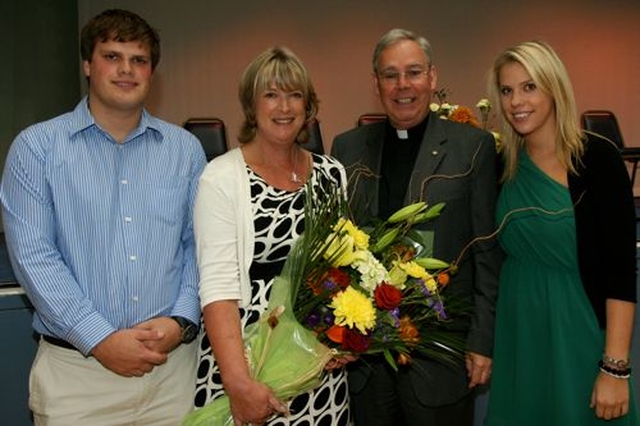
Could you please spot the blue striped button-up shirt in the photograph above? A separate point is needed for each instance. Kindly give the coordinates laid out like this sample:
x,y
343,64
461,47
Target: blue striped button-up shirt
x,y
100,233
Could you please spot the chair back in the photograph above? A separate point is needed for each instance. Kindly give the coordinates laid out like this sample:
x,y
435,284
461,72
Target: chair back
x,y
314,144
604,123
371,117
212,134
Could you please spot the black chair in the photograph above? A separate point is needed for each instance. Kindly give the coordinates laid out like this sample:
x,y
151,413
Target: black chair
x,y
212,134
314,144
605,124
371,117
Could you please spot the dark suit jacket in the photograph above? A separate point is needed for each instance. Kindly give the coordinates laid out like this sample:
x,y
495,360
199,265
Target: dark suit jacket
x,y
458,163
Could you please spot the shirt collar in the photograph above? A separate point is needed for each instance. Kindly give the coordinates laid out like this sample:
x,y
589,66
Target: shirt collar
x,y
83,120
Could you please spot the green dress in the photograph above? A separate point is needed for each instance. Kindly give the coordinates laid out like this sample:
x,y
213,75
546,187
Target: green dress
x,y
547,339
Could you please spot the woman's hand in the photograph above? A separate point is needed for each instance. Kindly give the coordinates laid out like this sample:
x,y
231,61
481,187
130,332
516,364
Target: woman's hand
x,y
253,403
610,397
339,361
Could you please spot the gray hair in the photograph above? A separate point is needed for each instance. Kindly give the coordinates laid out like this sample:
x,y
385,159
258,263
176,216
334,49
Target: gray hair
x,y
396,35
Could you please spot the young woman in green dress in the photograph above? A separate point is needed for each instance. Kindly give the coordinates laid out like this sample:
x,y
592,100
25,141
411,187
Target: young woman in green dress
x,y
567,293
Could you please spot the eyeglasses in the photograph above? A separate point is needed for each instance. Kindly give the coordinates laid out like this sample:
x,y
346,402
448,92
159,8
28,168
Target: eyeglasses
x,y
391,77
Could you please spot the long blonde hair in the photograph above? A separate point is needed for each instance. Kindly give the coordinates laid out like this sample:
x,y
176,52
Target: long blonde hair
x,y
550,75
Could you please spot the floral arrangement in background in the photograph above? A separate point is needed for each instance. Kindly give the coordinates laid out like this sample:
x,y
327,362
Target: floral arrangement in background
x,y
464,114
376,291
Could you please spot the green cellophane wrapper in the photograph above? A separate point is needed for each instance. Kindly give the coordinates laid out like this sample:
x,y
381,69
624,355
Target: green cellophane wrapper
x,y
280,351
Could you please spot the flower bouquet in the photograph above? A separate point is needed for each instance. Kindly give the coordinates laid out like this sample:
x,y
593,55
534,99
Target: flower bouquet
x,y
343,290
375,291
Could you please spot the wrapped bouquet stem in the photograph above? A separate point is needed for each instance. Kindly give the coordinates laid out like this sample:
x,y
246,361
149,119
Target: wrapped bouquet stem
x,y
280,352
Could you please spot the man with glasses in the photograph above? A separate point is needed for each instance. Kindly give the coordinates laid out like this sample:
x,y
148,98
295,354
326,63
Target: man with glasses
x,y
413,155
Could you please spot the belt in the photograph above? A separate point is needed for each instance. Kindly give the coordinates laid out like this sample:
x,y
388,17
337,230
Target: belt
x,y
58,342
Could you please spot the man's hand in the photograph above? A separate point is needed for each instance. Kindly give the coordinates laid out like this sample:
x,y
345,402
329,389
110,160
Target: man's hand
x,y
125,352
478,369
168,327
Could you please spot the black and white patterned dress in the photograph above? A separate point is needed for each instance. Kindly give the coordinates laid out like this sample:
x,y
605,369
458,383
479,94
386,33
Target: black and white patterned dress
x,y
278,222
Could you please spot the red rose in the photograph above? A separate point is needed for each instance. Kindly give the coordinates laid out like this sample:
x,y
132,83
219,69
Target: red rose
x,y
354,341
387,296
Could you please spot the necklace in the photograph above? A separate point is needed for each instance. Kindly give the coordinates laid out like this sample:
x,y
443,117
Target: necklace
x,y
294,176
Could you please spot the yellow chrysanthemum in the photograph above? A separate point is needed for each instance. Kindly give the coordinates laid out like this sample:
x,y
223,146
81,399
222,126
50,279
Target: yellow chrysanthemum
x,y
354,309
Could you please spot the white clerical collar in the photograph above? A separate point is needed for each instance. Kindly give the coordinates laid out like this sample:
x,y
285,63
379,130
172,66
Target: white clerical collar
x,y
402,134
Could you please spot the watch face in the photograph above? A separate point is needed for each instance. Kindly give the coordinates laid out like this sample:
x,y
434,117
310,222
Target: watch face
x,y
189,329
189,333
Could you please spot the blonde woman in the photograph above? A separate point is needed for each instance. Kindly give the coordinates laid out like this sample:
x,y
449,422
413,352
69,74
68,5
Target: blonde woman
x,y
249,211
567,289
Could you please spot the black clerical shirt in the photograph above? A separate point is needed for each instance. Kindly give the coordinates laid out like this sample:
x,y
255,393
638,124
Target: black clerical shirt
x,y
398,158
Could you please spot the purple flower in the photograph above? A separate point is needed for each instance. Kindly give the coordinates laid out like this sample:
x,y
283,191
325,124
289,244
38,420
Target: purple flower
x,y
395,314
439,308
328,318
329,285
423,288
312,320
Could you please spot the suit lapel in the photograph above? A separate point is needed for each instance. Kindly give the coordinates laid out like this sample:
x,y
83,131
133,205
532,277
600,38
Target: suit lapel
x,y
366,175
375,144
432,152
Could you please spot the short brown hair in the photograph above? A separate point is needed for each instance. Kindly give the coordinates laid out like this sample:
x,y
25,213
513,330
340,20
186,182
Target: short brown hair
x,y
119,25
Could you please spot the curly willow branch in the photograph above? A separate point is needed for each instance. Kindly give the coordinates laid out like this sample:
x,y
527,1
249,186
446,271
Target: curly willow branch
x,y
363,171
466,173
504,221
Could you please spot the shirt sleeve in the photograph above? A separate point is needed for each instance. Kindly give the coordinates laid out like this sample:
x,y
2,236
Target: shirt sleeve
x,y
30,228
187,305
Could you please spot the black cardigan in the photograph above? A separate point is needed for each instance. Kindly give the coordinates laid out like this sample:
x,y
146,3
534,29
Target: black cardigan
x,y
605,225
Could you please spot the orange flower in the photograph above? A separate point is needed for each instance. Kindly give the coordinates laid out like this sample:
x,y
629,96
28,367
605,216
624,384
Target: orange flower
x,y
336,333
443,279
408,332
463,114
404,359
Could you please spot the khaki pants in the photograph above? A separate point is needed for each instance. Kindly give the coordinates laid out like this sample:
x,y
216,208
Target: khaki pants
x,y
67,389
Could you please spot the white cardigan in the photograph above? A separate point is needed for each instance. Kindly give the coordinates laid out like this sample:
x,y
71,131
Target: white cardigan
x,y
224,230
223,227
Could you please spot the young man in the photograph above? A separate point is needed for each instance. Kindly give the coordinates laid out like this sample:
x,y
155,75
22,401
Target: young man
x,y
415,156
97,208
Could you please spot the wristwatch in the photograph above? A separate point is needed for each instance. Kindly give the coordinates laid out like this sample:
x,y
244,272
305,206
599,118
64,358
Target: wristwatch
x,y
189,330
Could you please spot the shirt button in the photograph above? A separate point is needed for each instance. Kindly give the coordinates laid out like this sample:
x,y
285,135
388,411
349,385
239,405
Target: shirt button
x,y
134,298
128,219
124,181
133,258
